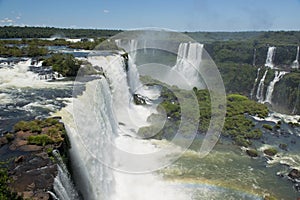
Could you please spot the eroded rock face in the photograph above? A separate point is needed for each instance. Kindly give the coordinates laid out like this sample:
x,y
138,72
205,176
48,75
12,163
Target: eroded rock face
x,y
29,166
33,175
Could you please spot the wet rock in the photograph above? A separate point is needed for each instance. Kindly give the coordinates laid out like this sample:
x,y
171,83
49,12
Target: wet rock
x,y
294,174
283,147
3,141
139,100
33,177
19,159
30,148
252,152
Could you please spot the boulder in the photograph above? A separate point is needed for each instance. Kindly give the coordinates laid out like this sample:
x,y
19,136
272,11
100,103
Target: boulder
x,y
294,174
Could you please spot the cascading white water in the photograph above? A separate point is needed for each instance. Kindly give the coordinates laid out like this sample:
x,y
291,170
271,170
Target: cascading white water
x,y
94,129
131,47
133,75
255,83
63,185
295,64
19,75
278,76
270,57
90,141
131,116
188,61
260,89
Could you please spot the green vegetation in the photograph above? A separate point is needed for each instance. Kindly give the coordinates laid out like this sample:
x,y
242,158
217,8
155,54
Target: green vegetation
x,y
237,126
5,192
271,151
15,51
47,32
64,64
252,152
48,131
286,97
268,127
41,139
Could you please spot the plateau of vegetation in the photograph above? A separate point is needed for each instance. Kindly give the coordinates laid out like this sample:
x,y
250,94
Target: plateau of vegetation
x,y
237,125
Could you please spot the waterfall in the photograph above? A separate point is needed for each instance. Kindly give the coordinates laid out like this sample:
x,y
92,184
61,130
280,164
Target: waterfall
x,y
294,111
189,59
295,64
278,76
131,46
254,57
63,185
95,130
260,89
91,142
270,57
131,116
255,83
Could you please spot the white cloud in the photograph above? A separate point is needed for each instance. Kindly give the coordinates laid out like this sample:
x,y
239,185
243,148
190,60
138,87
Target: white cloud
x,y
106,11
18,17
7,20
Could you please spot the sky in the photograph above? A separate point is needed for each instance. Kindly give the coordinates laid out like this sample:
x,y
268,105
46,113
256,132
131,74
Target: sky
x,y
179,15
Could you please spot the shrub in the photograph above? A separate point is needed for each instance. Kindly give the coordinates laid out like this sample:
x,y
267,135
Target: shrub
x,y
5,192
9,136
21,126
42,139
271,151
252,152
268,126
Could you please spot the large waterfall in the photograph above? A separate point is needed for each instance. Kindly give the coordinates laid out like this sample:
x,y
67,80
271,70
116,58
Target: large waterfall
x,y
99,122
188,61
278,76
260,89
296,61
270,57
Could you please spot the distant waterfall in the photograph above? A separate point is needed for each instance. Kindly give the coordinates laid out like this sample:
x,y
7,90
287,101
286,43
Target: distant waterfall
x,y
254,57
294,111
188,62
295,64
255,83
63,185
270,57
260,89
278,76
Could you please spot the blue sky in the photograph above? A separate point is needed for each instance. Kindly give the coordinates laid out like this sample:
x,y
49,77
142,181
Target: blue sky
x,y
180,15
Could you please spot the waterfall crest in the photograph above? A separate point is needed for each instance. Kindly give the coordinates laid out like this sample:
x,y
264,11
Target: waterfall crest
x,y
270,57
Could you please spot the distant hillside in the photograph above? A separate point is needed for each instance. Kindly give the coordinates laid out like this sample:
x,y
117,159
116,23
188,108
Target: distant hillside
x,y
47,32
